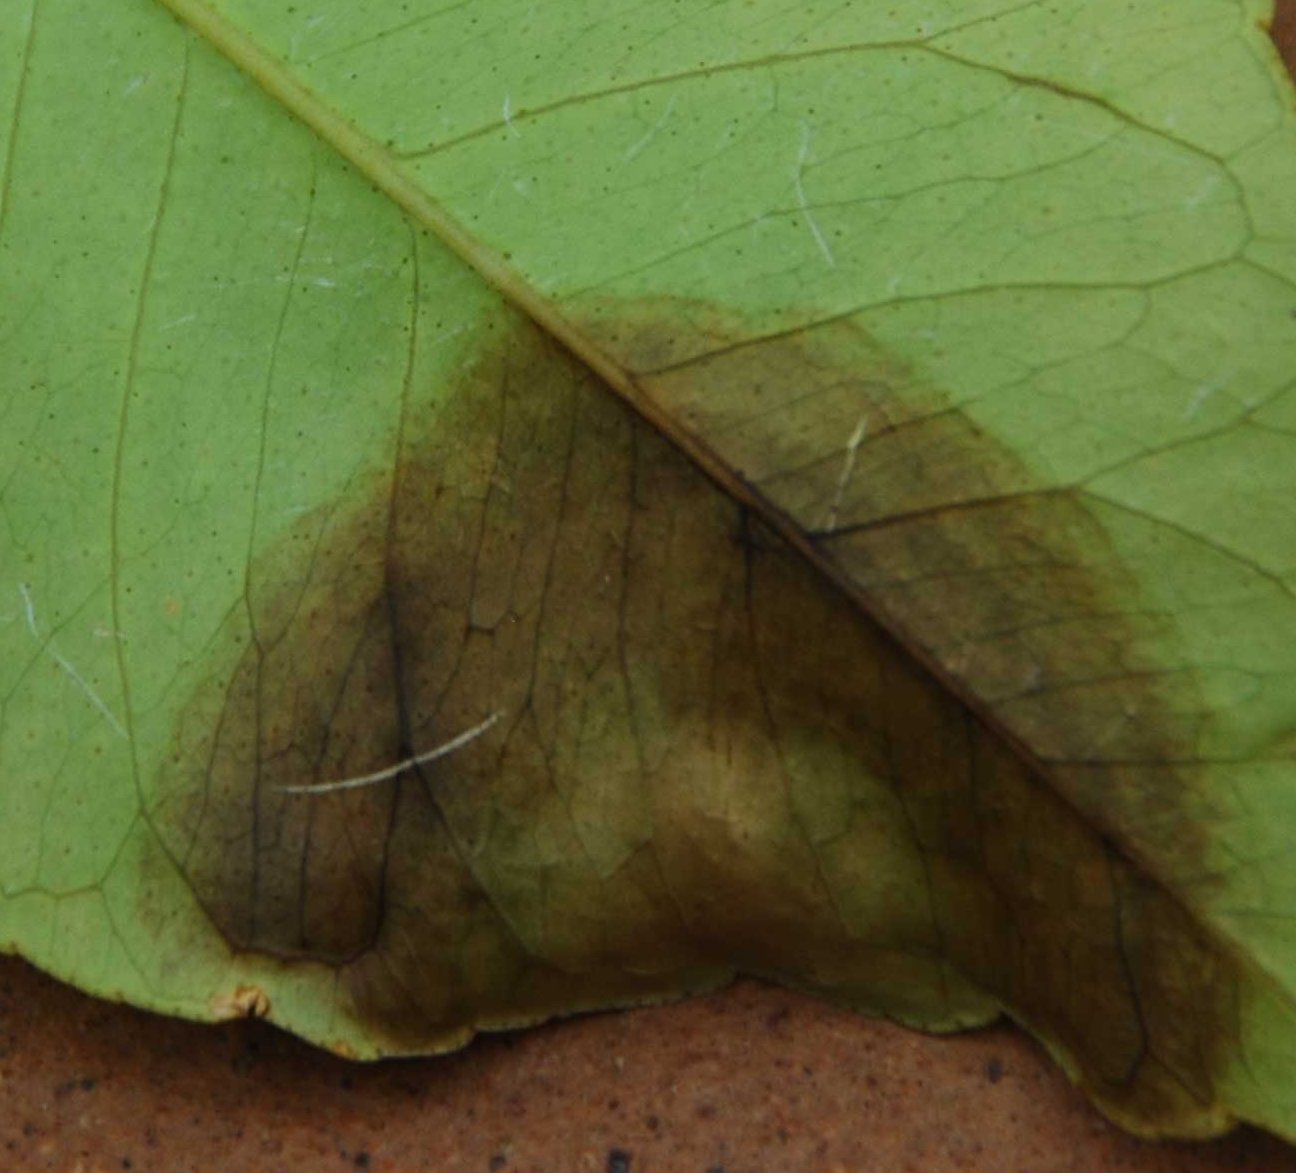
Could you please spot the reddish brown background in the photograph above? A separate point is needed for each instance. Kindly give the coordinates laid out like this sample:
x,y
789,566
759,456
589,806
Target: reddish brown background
x,y
750,1080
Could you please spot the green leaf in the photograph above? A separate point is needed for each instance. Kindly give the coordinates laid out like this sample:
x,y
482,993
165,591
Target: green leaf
x,y
358,366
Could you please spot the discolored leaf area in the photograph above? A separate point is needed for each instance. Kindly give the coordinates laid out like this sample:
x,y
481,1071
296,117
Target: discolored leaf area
x,y
845,449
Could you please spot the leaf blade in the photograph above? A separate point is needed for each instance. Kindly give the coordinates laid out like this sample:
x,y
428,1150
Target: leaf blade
x,y
633,340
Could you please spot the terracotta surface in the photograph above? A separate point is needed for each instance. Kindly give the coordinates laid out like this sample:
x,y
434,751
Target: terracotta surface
x,y
749,1080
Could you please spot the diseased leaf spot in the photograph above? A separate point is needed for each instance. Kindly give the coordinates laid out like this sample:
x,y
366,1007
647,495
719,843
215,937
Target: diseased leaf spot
x,y
710,761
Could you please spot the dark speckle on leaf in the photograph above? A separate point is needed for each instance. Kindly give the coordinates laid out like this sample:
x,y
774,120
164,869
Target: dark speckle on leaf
x,y
618,1161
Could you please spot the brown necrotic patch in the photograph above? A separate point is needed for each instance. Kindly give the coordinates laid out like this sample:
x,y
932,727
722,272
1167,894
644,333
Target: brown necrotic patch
x,y
709,759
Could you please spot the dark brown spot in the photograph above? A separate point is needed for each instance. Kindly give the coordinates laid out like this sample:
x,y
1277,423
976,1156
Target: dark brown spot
x,y
717,752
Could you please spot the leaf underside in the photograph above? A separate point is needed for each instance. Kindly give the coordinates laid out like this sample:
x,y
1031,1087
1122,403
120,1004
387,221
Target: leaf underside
x,y
850,449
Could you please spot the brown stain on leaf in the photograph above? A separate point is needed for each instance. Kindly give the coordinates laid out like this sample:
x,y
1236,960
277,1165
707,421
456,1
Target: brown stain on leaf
x,y
710,759
242,1002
